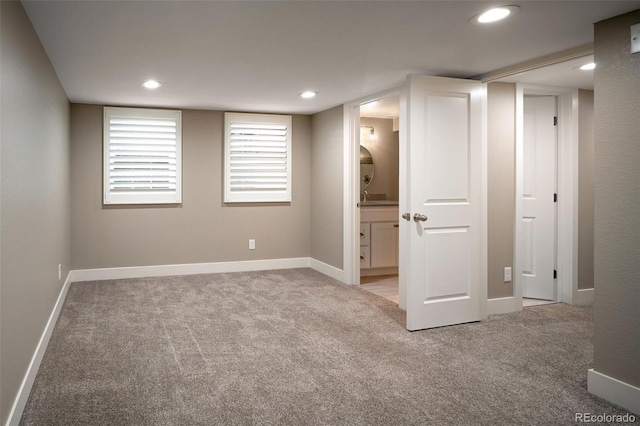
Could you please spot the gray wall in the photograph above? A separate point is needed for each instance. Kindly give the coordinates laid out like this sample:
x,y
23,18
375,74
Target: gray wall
x,y
35,196
500,185
585,189
385,152
617,201
202,228
327,186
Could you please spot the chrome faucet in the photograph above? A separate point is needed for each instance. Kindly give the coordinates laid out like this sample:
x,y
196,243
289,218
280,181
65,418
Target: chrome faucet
x,y
365,194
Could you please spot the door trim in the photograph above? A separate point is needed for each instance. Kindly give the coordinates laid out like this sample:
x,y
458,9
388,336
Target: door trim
x,y
351,182
567,160
351,191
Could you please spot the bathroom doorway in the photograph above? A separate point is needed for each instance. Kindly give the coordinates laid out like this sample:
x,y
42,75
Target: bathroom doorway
x,y
379,197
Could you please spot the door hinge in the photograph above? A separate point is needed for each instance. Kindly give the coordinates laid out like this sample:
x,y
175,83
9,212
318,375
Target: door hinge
x,y
555,121
555,274
555,197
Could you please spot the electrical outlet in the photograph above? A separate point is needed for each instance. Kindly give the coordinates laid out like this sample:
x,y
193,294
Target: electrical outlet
x,y
59,271
635,38
507,274
252,244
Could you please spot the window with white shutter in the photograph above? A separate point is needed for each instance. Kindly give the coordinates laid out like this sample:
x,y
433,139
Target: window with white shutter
x,y
257,158
142,156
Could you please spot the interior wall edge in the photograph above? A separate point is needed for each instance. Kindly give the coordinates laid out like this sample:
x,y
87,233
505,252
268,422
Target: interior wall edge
x,y
326,186
32,370
35,191
501,191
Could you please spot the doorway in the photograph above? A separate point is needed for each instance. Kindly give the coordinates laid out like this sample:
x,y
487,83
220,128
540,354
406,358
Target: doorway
x,y
562,79
564,274
442,229
379,197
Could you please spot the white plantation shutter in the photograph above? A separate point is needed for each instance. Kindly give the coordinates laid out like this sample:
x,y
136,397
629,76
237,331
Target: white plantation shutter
x,y
142,156
257,158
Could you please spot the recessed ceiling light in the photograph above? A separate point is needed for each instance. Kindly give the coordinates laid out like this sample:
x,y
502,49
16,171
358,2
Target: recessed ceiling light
x,y
308,94
494,15
151,84
588,67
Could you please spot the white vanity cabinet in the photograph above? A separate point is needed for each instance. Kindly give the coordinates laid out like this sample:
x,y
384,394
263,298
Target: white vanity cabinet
x,y
379,240
384,244
365,249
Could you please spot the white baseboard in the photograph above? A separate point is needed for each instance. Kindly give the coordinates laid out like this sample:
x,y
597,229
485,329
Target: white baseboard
x,y
204,268
503,305
27,383
187,269
623,394
328,270
584,296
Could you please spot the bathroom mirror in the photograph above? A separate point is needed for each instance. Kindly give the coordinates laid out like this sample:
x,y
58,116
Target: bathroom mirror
x,y
366,168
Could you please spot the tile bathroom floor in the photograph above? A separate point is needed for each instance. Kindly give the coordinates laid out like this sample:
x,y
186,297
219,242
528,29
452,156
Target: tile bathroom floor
x,y
382,285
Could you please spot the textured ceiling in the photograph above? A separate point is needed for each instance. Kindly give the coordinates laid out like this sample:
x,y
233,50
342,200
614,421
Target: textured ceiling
x,y
258,56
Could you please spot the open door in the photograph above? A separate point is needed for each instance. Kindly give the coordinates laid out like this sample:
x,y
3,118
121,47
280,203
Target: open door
x,y
446,279
538,202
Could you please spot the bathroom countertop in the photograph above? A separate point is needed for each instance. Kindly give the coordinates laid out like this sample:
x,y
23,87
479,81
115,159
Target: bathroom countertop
x,y
379,203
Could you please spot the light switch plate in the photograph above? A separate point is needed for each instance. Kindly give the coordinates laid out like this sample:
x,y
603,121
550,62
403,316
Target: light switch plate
x,y
635,38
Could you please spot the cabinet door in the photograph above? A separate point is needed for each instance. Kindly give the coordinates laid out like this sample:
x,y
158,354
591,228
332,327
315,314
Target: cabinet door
x,y
384,244
365,257
364,233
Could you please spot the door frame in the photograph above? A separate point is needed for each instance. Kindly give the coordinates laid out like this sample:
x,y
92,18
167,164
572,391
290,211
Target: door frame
x,y
351,186
351,191
567,175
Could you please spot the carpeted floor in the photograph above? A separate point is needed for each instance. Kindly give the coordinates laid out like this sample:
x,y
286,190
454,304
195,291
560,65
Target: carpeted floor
x,y
296,347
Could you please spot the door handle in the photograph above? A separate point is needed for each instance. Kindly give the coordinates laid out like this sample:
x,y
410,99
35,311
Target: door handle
x,y
406,216
420,217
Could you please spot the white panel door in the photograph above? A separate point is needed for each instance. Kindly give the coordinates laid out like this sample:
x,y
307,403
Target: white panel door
x,y
538,207
445,145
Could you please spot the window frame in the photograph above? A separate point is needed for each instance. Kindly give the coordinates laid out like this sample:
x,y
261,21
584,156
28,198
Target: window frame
x,y
140,197
263,196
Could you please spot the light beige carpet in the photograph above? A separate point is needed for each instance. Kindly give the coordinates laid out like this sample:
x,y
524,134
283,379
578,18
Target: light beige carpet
x,y
295,347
